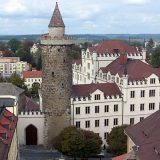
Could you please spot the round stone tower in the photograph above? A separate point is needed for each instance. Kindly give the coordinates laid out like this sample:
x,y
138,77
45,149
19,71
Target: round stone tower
x,y
57,78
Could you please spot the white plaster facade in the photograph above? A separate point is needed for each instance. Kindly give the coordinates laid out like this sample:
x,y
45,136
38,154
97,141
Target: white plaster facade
x,y
86,71
30,81
30,118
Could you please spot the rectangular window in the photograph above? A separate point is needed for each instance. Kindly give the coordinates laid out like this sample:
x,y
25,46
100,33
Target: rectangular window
x,y
151,93
87,124
87,110
105,135
115,121
152,81
78,124
97,97
88,65
96,123
142,107
96,109
106,122
88,76
131,121
141,118
142,93
151,106
77,110
116,108
132,107
106,108
132,94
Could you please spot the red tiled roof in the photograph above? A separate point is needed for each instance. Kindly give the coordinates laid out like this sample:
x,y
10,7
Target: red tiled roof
x,y
84,90
121,157
31,105
56,20
136,69
112,46
145,134
32,74
77,61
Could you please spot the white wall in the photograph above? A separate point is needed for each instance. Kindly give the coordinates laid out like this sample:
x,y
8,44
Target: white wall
x,y
24,120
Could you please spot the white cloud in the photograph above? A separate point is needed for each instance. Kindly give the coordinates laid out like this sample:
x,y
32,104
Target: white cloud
x,y
89,25
136,2
14,6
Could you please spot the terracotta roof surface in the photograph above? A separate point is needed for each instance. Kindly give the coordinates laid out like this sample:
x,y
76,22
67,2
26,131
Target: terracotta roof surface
x,y
84,90
113,46
145,135
6,134
30,105
77,61
136,69
56,20
32,74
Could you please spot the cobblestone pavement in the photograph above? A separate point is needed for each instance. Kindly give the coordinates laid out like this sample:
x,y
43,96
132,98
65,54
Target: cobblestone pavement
x,y
37,153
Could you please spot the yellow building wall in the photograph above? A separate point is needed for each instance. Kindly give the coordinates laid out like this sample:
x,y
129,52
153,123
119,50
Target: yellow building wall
x,y
130,144
13,153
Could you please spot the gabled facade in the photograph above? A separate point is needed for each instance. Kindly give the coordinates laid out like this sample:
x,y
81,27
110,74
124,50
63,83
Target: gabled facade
x,y
85,71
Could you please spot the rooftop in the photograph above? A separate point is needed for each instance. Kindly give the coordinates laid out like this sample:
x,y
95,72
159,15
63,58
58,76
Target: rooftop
x,y
32,74
136,69
84,90
113,46
145,135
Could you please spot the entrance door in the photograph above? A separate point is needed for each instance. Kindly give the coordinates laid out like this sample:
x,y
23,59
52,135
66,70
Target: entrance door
x,y
31,135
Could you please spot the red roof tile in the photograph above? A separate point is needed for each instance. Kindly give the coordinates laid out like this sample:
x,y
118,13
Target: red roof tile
x,y
145,134
32,74
136,69
56,20
113,46
121,157
31,105
77,61
82,90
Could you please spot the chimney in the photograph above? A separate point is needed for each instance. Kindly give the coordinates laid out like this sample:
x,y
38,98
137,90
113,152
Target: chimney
x,y
123,59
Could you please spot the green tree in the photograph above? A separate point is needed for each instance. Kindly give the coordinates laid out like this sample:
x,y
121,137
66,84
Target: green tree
x,y
39,63
17,80
150,46
155,58
117,141
14,45
80,143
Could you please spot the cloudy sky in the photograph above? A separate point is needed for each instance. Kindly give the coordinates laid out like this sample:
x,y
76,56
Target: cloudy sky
x,y
81,16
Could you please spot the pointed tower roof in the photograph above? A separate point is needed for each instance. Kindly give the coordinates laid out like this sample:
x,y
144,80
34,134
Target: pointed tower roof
x,y
56,20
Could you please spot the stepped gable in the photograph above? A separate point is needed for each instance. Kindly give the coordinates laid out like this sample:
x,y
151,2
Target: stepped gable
x,y
8,123
113,46
84,90
136,69
56,20
10,89
145,135
32,74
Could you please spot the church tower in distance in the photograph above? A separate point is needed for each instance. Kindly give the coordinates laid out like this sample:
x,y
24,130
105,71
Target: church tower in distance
x,y
57,78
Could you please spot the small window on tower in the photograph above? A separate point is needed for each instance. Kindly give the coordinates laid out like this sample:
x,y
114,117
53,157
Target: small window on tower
x,y
52,74
64,60
58,50
62,85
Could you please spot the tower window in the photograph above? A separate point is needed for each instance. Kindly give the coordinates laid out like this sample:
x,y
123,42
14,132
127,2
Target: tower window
x,y
52,74
62,85
64,60
58,50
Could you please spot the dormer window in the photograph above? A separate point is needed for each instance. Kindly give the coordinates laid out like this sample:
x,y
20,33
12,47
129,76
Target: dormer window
x,y
97,97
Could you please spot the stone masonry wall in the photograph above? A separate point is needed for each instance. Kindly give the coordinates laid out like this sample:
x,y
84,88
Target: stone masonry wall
x,y
56,89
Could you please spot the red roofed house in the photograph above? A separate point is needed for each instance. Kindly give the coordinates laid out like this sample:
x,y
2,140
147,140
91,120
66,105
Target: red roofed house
x,y
143,139
85,70
32,77
8,135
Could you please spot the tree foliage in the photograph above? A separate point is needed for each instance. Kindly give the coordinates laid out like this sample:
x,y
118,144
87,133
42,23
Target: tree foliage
x,y
117,141
150,46
155,58
75,142
14,45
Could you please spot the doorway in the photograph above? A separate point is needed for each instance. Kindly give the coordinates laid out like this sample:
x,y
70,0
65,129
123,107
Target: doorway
x,y
31,135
